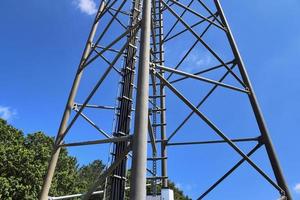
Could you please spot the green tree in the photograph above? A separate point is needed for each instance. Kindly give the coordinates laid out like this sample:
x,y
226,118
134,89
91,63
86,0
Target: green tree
x,y
87,175
178,194
24,162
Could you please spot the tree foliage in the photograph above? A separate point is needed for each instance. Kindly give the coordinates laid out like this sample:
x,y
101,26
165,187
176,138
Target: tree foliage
x,y
24,161
178,194
87,175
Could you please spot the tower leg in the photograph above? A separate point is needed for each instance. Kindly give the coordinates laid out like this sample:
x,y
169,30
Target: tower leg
x,y
139,160
266,140
56,149
164,168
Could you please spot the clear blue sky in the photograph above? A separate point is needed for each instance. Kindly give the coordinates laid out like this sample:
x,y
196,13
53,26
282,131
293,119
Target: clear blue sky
x,y
41,43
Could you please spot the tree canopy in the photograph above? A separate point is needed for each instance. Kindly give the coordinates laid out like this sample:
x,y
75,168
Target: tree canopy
x,y
24,162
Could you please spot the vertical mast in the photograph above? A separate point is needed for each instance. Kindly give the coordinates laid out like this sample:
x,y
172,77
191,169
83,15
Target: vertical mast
x,y
139,152
152,63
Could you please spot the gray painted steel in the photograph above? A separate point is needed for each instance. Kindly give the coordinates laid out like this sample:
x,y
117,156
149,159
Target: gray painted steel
x,y
67,112
150,100
139,152
256,109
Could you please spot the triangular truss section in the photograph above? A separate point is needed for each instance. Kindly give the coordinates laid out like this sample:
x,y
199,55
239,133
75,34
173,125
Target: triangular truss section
x,y
152,54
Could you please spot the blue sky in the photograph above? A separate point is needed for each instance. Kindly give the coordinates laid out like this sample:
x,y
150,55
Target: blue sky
x,y
41,44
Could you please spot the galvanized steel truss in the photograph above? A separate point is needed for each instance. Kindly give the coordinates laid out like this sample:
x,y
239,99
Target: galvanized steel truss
x,y
153,79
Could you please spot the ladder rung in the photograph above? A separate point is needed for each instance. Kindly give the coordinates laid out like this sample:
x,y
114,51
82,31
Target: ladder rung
x,y
133,46
157,52
164,124
137,10
158,110
157,158
119,177
127,68
124,97
122,82
157,177
120,133
118,114
157,96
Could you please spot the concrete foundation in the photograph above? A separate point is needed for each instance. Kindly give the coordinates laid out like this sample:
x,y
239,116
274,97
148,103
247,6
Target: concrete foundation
x,y
166,194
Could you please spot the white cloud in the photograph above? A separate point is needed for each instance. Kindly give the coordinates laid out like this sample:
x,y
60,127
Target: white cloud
x,y
86,6
297,188
196,61
7,113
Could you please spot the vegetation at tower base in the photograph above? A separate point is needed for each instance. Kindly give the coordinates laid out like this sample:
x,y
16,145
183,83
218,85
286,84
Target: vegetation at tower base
x,y
24,161
178,194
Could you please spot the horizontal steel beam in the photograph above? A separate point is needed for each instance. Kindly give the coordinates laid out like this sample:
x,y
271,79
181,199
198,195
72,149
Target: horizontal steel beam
x,y
256,139
157,158
97,106
80,195
109,140
202,72
200,78
157,177
217,131
73,196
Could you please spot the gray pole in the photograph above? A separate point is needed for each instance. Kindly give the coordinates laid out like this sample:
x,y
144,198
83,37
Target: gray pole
x,y
139,160
164,169
257,111
67,112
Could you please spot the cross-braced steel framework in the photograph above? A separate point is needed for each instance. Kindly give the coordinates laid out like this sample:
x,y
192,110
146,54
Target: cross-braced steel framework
x,y
162,38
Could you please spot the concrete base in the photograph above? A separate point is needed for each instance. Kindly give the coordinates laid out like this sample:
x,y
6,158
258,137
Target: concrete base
x,y
166,194
153,197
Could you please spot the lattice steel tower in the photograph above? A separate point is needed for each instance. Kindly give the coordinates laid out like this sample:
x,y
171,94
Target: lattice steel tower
x,y
160,57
